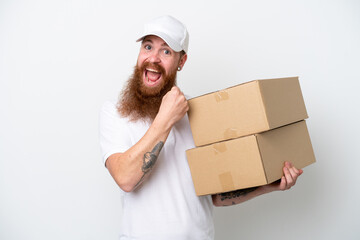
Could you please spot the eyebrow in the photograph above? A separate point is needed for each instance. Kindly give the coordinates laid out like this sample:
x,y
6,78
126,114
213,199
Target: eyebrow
x,y
148,40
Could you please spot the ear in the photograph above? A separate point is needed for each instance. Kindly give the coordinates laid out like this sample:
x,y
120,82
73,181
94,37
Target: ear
x,y
182,60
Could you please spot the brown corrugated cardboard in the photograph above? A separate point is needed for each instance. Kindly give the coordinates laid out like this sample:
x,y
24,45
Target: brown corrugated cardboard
x,y
245,109
249,161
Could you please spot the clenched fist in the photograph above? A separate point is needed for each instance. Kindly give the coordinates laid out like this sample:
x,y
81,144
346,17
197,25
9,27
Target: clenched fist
x,y
173,107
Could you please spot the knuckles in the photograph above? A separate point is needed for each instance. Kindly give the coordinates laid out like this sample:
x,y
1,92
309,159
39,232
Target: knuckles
x,y
175,90
175,99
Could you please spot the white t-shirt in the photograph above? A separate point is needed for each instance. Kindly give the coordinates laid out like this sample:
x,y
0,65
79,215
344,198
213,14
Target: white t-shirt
x,y
165,205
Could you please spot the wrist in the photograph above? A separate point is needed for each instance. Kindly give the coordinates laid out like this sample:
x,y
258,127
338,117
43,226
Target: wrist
x,y
265,189
162,125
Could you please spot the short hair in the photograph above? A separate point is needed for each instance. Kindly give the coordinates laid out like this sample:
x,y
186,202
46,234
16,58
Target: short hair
x,y
182,53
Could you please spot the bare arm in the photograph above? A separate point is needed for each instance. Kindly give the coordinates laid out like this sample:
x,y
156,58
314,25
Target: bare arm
x,y
129,169
287,181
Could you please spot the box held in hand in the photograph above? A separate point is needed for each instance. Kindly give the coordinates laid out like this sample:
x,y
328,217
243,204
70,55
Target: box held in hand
x,y
246,109
249,161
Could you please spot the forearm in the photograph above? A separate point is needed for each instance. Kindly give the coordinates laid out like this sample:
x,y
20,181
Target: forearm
x,y
129,169
291,174
236,197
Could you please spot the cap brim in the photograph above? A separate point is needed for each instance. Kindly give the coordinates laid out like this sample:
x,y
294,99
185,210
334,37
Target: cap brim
x,y
169,41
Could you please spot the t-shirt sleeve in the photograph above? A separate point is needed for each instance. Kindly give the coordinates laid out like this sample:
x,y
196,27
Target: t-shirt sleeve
x,y
114,133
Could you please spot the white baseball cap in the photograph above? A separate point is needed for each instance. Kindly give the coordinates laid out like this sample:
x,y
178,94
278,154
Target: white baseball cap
x,y
171,30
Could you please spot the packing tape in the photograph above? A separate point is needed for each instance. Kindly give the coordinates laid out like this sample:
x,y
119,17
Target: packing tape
x,y
226,181
230,133
221,96
219,147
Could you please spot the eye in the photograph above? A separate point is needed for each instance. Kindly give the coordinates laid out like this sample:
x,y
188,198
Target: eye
x,y
147,47
167,52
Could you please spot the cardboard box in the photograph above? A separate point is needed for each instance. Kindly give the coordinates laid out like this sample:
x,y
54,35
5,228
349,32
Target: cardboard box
x,y
246,109
249,161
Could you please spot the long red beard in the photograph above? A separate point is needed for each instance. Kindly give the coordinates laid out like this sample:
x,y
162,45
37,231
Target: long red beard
x,y
138,101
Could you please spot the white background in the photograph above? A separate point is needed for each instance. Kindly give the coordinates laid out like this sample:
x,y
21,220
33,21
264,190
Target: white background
x,y
60,60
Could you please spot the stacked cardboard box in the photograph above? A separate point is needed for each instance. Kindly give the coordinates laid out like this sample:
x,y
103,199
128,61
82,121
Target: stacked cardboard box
x,y
244,134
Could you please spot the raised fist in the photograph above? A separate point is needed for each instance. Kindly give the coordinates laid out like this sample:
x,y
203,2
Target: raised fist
x,y
173,106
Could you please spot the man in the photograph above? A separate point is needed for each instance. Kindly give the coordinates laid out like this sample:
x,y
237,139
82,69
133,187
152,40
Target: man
x,y
144,137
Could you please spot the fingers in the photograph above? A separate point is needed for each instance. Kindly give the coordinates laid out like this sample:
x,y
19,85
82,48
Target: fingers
x,y
282,185
173,106
291,174
175,89
177,92
180,97
288,178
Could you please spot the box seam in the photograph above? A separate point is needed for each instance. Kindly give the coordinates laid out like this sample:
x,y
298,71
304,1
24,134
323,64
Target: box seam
x,y
261,157
256,80
224,89
248,135
263,103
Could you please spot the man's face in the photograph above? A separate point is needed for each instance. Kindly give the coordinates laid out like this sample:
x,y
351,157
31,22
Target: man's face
x,y
157,61
154,75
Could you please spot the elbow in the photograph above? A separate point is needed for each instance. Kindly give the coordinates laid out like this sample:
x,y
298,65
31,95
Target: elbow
x,y
126,188
125,185
121,177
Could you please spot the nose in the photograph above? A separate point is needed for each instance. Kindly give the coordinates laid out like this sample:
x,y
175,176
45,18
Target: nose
x,y
154,57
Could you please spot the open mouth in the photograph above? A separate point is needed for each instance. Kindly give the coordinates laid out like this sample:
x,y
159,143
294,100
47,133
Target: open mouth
x,y
152,76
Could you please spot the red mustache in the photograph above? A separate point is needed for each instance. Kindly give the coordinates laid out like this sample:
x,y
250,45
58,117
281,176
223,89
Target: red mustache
x,y
154,66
